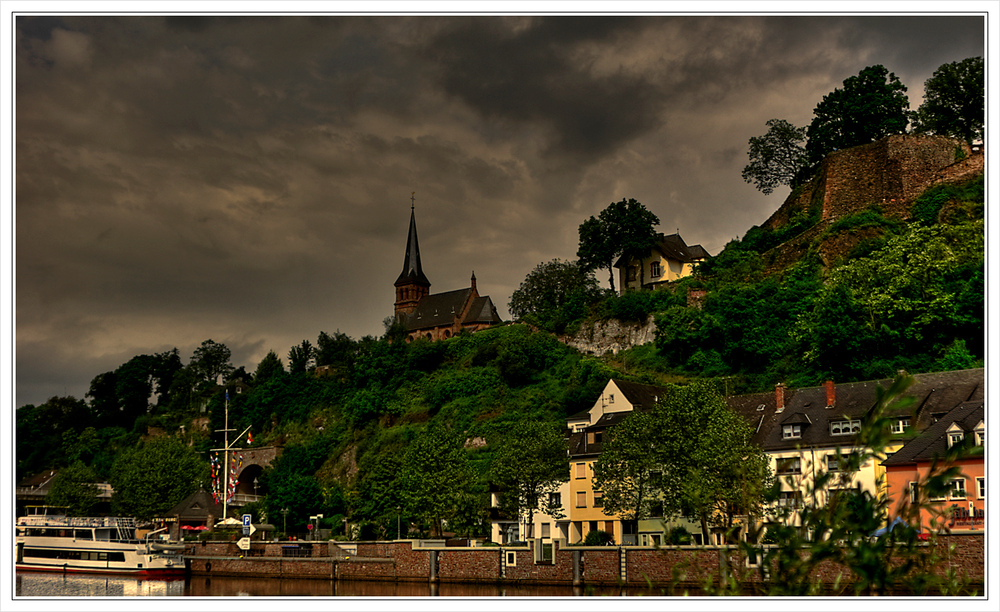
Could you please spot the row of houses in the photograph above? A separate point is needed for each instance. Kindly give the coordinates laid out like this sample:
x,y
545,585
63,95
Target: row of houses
x,y
803,433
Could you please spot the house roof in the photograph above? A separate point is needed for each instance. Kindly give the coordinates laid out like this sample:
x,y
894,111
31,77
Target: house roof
x,y
933,395
639,395
672,246
933,442
196,507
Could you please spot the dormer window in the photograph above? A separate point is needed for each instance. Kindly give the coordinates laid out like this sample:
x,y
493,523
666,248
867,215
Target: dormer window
x,y
981,434
845,427
900,425
954,438
789,432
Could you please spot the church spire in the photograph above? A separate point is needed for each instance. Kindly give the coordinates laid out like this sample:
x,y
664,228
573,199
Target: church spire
x,y
412,270
412,285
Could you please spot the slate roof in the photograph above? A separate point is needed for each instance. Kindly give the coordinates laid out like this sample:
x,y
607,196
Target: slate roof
x,y
934,441
934,394
639,395
412,270
672,246
196,507
440,309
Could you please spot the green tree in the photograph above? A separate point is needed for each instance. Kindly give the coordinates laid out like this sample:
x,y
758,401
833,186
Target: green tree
x,y
299,357
337,350
436,477
623,227
954,100
74,487
270,368
871,105
711,469
210,363
777,157
154,476
529,463
628,470
554,294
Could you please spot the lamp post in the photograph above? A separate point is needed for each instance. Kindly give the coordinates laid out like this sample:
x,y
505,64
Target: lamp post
x,y
398,532
345,527
284,517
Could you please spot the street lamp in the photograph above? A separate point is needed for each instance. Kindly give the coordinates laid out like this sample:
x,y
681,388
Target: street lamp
x,y
345,526
398,532
284,514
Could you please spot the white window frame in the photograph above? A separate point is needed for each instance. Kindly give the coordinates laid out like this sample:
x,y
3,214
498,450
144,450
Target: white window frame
x,y
655,269
956,484
955,437
511,558
845,427
791,432
578,494
914,491
981,487
900,425
981,437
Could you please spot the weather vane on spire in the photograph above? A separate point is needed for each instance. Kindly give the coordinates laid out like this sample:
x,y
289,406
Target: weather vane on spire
x,y
412,198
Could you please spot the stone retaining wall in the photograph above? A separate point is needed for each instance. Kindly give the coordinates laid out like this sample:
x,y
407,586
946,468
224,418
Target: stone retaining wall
x,y
672,566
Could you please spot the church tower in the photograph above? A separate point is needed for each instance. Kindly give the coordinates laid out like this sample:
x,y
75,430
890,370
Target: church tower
x,y
412,285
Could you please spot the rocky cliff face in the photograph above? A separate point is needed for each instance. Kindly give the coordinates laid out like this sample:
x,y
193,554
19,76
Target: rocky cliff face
x,y
611,336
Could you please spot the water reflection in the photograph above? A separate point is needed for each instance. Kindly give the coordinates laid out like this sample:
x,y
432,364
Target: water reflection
x,y
74,585
59,585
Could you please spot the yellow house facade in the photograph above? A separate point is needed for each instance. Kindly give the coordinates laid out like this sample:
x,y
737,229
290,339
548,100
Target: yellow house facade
x,y
671,259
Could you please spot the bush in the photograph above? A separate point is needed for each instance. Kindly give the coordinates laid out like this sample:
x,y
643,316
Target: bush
x,y
598,538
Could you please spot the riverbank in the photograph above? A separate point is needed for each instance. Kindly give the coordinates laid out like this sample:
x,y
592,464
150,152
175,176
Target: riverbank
x,y
670,568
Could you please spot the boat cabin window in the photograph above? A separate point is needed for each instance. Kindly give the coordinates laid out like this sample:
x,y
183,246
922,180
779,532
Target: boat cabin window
x,y
83,534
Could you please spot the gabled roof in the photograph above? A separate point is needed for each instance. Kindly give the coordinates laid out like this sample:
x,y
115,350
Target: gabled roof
x,y
933,395
639,395
197,507
934,441
440,309
672,246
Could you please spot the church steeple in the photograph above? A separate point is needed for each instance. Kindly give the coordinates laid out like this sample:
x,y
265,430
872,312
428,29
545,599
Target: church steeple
x,y
412,285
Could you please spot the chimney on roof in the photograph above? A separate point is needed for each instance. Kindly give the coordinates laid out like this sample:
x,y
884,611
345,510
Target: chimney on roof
x,y
779,396
473,282
831,394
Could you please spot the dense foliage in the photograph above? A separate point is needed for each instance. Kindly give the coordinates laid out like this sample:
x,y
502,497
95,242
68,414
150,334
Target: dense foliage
x,y
954,101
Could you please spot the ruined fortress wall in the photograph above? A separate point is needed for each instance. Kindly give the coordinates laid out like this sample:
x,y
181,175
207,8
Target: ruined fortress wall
x,y
891,173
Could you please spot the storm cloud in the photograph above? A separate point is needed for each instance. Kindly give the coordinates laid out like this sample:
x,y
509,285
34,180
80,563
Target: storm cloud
x,y
247,179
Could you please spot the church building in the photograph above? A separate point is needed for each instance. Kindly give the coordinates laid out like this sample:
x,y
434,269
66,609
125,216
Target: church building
x,y
437,316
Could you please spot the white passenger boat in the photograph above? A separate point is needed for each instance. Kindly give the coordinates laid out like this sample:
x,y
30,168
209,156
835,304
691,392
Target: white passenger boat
x,y
48,540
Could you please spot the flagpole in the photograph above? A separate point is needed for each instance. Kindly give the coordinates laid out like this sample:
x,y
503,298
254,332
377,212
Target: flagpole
x,y
225,457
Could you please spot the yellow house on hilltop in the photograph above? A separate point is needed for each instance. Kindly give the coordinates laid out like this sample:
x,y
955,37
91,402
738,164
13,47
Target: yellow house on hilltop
x,y
671,259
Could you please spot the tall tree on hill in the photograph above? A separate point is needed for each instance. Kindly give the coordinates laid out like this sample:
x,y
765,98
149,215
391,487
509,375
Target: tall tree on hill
x,y
623,227
954,99
210,361
299,357
871,105
777,157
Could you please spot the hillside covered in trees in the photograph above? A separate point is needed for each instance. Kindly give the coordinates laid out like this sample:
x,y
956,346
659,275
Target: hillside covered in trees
x,y
375,428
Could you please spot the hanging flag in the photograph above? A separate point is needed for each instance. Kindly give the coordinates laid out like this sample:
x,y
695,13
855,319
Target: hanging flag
x,y
250,437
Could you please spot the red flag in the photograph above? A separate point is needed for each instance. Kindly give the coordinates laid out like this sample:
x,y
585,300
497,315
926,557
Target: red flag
x,y
250,438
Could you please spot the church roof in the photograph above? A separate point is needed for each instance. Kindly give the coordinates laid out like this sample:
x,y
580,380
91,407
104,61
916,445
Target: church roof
x,y
441,309
412,270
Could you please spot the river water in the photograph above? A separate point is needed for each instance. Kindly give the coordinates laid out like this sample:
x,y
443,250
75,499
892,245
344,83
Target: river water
x,y
58,585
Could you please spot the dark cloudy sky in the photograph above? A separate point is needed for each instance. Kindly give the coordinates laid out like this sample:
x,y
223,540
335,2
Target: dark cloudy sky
x,y
248,179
